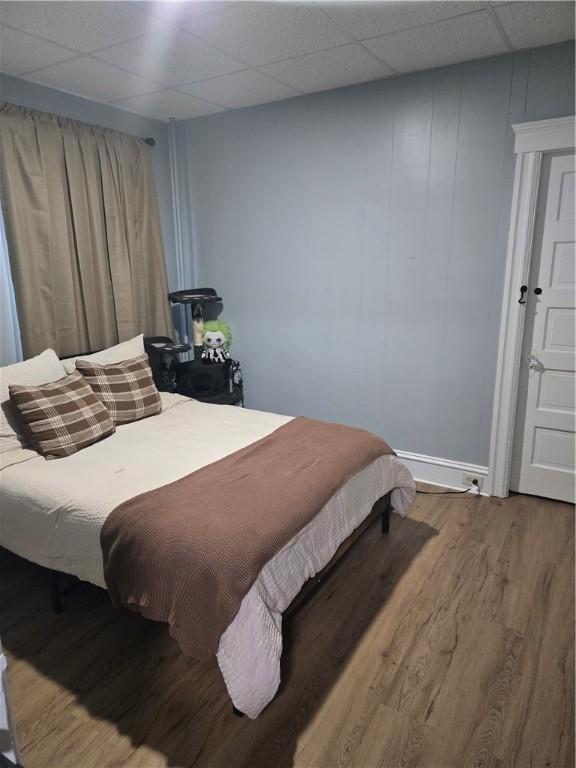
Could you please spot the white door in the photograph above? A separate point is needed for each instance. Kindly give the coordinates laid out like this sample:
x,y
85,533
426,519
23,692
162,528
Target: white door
x,y
543,454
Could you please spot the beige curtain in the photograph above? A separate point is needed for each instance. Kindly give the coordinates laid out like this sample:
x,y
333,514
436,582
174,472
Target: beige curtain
x,y
83,232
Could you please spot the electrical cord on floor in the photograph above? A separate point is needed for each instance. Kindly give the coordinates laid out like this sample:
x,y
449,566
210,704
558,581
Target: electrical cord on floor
x,y
443,493
475,484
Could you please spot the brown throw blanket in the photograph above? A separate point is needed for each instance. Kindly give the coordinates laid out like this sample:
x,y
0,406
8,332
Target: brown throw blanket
x,y
187,553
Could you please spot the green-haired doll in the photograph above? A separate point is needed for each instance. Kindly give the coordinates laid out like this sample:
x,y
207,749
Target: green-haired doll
x,y
217,342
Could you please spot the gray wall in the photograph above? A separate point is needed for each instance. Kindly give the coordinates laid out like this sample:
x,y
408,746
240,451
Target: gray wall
x,y
358,238
35,96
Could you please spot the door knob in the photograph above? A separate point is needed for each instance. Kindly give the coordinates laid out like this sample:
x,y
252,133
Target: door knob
x,y
533,363
537,291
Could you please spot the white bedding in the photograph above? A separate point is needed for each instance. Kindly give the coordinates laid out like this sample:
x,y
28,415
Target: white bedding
x,y
51,513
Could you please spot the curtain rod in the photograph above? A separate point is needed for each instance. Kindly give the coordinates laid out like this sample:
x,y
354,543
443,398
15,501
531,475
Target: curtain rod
x,y
150,141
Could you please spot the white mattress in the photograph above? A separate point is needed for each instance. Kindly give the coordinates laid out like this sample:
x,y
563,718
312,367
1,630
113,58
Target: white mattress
x,y
51,513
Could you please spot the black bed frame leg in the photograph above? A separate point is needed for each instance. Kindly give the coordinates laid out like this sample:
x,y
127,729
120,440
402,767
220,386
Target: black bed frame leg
x,y
55,598
237,712
386,519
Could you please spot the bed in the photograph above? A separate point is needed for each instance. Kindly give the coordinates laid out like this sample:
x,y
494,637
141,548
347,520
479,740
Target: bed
x,y
52,513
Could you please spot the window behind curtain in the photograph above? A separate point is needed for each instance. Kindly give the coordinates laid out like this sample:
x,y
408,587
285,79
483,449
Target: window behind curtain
x,y
10,347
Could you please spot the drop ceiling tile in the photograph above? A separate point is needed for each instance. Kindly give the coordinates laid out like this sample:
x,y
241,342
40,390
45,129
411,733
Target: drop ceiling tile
x,y
168,103
171,57
258,33
535,23
379,18
92,79
444,42
329,69
21,53
241,89
84,26
176,12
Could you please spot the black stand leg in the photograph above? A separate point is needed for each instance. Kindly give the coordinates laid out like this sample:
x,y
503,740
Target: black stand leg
x,y
237,712
55,592
386,519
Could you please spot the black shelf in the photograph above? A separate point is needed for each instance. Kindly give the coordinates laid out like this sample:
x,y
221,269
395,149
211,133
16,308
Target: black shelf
x,y
208,383
221,399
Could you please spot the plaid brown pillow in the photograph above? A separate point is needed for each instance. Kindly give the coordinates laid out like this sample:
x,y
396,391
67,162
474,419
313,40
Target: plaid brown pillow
x,y
63,417
126,389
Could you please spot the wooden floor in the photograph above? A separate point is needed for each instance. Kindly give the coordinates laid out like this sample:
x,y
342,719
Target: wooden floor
x,y
448,643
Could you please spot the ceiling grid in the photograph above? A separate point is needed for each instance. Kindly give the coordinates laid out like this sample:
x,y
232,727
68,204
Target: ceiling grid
x,y
188,59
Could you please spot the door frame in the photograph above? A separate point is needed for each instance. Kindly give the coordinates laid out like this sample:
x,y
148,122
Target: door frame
x,y
531,141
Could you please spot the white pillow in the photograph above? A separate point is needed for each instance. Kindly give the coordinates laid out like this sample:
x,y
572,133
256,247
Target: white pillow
x,y
42,369
126,350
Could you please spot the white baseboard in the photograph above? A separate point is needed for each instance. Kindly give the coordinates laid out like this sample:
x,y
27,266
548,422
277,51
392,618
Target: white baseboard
x,y
437,471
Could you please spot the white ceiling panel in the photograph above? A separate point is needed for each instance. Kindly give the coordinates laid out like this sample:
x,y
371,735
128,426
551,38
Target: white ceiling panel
x,y
535,23
333,68
176,12
444,42
186,58
21,53
258,33
372,19
241,89
168,103
84,26
93,79
171,56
